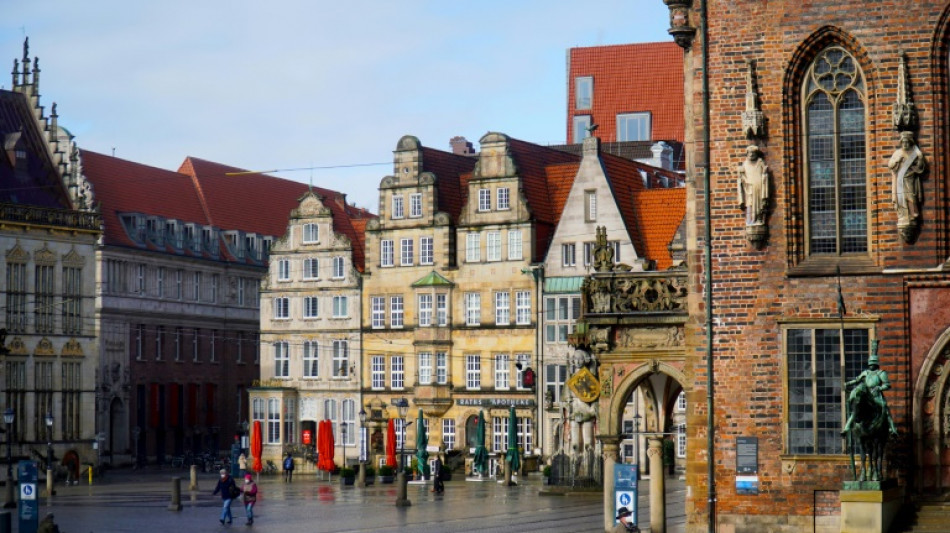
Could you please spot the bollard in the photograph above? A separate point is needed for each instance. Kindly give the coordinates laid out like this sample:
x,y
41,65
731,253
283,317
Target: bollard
x,y
90,474
50,491
194,478
175,505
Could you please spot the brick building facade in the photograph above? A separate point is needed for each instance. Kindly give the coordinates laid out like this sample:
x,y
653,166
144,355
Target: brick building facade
x,y
831,91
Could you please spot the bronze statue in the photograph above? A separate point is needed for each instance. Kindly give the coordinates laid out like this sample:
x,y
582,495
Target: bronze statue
x,y
870,422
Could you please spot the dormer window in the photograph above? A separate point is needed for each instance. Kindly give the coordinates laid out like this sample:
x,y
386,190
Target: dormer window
x,y
173,233
235,243
155,230
192,241
311,233
266,243
252,247
209,240
135,226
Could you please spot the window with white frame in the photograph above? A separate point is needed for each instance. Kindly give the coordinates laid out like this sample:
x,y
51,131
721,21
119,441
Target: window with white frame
x,y
588,253
179,280
195,344
493,246
448,433
341,358
568,254
441,309
525,434
196,286
816,408
398,208
215,283
258,411
581,125
473,372
502,199
405,257
425,368
378,372
311,268
378,312
282,307
473,308
349,422
441,368
523,307
139,341
499,434
524,360
425,310
583,92
415,205
484,199
339,307
502,371
399,424
311,359
681,402
502,308
473,247
590,206
311,307
290,420
397,372
386,253
283,270
281,360
515,252
426,256
240,291
633,127
311,233
44,281
554,378
396,312
338,270
616,246
273,421
681,440
560,317
160,343
329,413
161,281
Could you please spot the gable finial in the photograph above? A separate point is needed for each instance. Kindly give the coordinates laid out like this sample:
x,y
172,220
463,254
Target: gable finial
x,y
16,73
905,111
26,61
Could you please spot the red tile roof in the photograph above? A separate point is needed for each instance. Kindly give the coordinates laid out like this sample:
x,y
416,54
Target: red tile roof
x,y
630,78
448,168
659,213
201,192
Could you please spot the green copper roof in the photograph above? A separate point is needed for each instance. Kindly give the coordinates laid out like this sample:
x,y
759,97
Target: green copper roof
x,y
561,285
433,279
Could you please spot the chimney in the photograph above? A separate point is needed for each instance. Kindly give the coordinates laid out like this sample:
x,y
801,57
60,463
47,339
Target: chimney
x,y
460,146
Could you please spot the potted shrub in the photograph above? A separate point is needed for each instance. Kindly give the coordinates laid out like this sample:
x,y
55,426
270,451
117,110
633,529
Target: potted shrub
x,y
546,474
347,475
370,474
387,474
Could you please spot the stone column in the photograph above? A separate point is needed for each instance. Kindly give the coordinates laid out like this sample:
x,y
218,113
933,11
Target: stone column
x,y
611,449
657,485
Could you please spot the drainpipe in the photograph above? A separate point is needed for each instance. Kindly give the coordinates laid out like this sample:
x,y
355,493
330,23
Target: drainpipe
x,y
707,207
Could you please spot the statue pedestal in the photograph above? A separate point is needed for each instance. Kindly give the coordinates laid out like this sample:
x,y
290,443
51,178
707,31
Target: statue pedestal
x,y
869,506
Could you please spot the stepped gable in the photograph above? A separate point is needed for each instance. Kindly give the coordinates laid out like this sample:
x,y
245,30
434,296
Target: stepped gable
x,y
659,214
448,169
123,186
18,131
229,198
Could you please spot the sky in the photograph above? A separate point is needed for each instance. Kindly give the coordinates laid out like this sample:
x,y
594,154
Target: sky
x,y
291,84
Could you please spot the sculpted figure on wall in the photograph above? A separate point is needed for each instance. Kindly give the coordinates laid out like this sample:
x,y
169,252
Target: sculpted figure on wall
x,y
907,165
753,188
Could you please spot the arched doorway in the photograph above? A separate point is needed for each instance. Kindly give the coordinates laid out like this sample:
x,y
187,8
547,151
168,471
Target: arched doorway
x,y
931,419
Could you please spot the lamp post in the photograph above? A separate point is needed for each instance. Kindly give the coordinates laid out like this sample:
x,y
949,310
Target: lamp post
x,y
8,417
401,499
49,454
361,481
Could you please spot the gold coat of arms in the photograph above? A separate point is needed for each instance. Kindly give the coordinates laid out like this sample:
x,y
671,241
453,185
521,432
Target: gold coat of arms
x,y
584,385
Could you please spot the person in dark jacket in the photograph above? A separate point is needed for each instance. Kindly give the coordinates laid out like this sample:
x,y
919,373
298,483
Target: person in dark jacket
x,y
438,475
288,468
229,490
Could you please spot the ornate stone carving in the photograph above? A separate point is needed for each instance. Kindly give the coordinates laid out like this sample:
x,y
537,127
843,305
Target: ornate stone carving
x,y
72,348
907,166
73,259
680,29
753,188
603,252
44,348
650,337
753,122
905,111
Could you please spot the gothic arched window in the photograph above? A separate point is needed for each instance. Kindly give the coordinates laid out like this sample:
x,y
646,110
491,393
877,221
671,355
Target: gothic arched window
x,y
833,100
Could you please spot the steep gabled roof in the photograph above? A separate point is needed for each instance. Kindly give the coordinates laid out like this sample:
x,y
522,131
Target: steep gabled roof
x,y
533,163
448,168
229,194
659,213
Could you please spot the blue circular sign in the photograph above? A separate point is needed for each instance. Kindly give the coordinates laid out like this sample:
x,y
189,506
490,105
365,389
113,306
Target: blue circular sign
x,y
625,499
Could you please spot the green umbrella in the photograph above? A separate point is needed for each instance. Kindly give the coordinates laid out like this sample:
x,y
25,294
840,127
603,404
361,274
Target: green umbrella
x,y
480,461
512,456
422,442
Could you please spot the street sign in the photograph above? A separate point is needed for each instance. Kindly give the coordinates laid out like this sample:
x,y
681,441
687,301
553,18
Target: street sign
x,y
625,490
29,507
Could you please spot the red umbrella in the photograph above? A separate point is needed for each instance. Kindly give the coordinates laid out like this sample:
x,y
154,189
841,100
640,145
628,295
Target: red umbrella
x,y
325,439
331,447
256,446
391,444
321,445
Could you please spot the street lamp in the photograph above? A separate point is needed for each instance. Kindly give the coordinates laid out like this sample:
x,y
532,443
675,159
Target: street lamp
x,y
361,481
636,441
402,405
8,417
49,454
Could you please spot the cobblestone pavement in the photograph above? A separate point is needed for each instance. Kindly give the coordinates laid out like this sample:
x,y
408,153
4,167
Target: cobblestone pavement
x,y
137,502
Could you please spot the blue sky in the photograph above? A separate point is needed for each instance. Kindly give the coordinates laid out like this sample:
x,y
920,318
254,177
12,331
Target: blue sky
x,y
285,84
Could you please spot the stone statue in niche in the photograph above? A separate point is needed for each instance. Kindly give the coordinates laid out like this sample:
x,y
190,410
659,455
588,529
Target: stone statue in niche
x,y
907,165
753,189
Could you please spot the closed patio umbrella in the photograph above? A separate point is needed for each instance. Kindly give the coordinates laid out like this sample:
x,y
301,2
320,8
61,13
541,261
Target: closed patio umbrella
x,y
512,457
257,446
391,444
422,442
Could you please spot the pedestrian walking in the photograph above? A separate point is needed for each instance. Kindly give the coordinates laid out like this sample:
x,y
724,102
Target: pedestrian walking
x,y
288,468
229,490
250,497
242,464
438,475
624,516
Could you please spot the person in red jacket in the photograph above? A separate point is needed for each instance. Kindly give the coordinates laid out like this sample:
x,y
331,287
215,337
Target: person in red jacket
x,y
250,497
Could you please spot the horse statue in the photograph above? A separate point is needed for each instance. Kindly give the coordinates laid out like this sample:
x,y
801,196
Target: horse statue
x,y
870,423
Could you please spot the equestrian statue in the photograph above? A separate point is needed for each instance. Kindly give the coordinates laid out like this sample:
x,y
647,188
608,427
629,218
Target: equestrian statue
x,y
870,424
